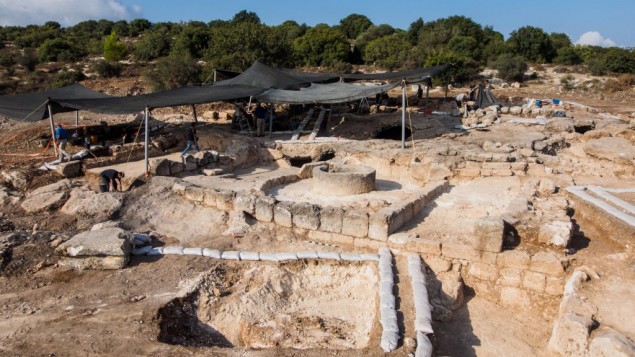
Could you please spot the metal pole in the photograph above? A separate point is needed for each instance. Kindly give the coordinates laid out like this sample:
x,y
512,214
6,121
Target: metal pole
x,y
270,120
403,114
48,104
425,109
194,113
77,118
214,75
146,141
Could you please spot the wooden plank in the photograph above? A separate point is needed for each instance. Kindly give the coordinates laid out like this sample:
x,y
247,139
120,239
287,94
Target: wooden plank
x,y
296,133
318,124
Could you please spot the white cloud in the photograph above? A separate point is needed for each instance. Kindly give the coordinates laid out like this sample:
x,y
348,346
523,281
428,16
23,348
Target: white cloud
x,y
66,12
594,38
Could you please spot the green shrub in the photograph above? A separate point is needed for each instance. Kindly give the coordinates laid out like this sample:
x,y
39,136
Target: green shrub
x,y
114,50
106,69
64,78
173,72
510,67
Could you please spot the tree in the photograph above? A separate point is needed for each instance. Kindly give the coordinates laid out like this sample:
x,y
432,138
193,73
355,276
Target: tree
x,y
65,78
246,16
372,33
321,45
413,31
137,26
173,72
510,67
58,50
619,60
532,43
192,41
114,50
107,69
567,56
389,52
560,40
28,59
353,25
151,45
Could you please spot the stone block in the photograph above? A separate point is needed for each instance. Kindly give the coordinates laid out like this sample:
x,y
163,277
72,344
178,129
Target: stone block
x,y
355,223
418,204
469,173
554,286
547,263
194,194
489,234
611,343
180,186
159,166
306,215
397,219
331,238
511,296
534,281
106,248
176,167
513,259
408,212
510,277
212,172
282,214
225,200
379,224
483,271
460,251
425,246
209,197
45,201
557,233
69,169
365,243
264,208
331,219
245,201
569,335
486,289
437,264
190,163
489,258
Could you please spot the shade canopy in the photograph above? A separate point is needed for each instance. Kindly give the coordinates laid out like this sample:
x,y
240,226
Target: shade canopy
x,y
32,106
414,75
323,93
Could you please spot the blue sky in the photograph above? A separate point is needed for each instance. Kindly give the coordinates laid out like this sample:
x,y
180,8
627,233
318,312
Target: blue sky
x,y
609,21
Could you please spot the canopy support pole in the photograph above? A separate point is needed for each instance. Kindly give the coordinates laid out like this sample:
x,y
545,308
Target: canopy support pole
x,y
146,142
270,120
77,118
403,114
214,75
194,113
425,109
48,104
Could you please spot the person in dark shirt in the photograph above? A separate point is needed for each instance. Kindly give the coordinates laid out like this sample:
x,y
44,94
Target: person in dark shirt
x,y
109,180
419,91
61,135
261,114
190,136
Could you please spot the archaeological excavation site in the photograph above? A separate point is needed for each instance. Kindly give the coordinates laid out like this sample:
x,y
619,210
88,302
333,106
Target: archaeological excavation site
x,y
384,224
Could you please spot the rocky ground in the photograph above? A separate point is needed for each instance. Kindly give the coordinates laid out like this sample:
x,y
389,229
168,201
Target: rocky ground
x,y
187,305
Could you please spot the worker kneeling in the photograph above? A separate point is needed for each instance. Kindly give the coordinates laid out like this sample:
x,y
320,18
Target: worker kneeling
x,y
109,180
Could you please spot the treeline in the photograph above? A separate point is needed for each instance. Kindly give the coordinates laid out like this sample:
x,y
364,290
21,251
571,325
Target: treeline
x,y
176,50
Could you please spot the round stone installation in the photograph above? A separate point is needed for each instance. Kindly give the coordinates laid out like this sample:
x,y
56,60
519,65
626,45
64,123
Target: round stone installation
x,y
337,179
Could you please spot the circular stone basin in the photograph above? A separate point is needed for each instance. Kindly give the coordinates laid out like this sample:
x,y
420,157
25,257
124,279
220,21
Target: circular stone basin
x,y
336,179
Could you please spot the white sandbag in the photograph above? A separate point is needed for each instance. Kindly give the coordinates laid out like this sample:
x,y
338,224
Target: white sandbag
x,y
417,277
155,251
383,250
211,253
142,250
387,301
385,265
389,324
389,341
370,257
173,250
193,251
329,255
269,257
307,255
386,287
284,256
386,276
414,259
386,313
351,257
420,292
424,346
230,255
423,325
253,256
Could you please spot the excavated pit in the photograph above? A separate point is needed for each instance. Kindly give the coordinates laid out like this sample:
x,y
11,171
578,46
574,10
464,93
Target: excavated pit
x,y
338,179
296,305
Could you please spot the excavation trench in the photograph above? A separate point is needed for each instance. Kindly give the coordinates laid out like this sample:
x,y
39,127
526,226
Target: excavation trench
x,y
327,305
